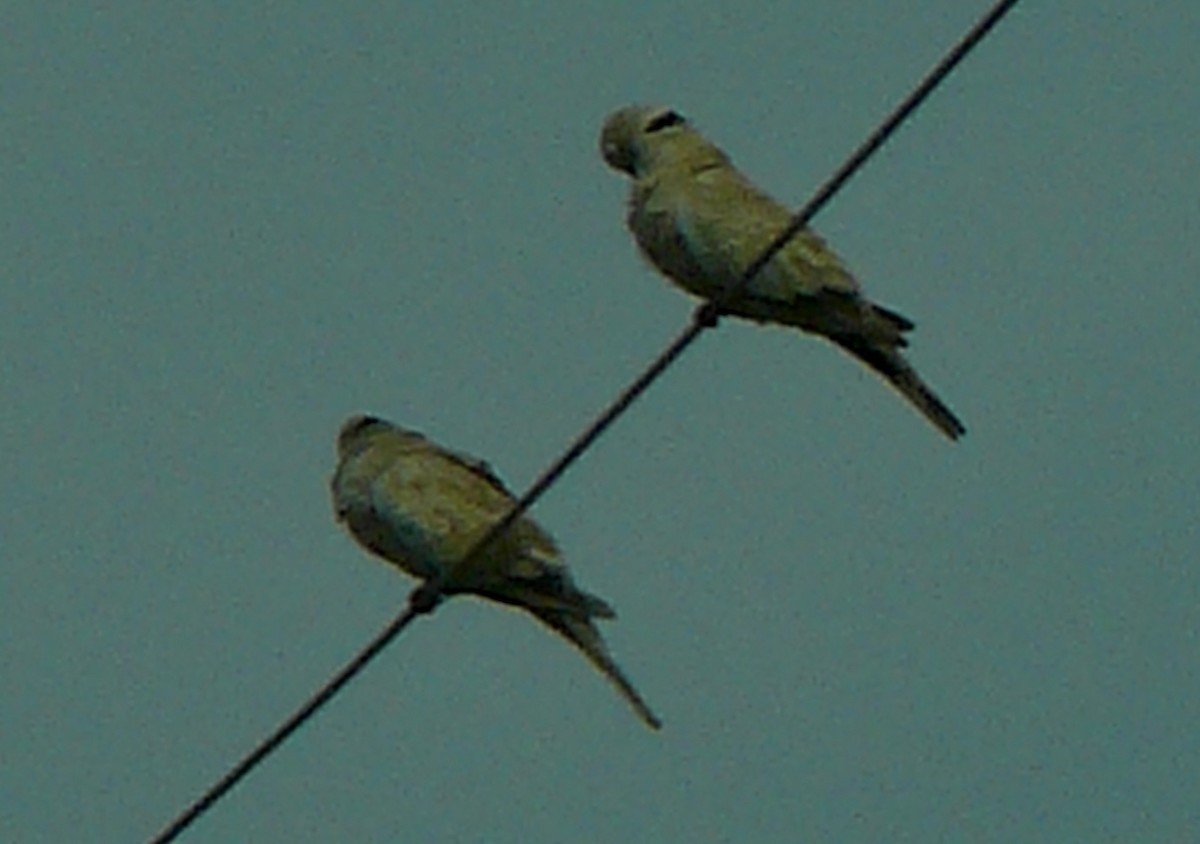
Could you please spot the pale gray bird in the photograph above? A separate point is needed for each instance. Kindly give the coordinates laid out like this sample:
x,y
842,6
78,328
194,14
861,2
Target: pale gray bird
x,y
423,508
701,223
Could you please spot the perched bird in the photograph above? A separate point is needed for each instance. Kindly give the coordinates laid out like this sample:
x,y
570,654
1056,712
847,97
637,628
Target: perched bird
x,y
424,507
701,222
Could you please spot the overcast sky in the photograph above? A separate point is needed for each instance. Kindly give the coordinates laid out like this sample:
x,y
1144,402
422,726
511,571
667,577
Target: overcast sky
x,y
227,227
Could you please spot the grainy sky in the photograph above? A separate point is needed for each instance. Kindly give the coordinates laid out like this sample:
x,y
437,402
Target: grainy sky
x,y
226,227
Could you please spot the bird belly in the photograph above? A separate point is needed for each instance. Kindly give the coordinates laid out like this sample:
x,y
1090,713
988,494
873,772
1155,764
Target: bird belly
x,y
664,246
399,541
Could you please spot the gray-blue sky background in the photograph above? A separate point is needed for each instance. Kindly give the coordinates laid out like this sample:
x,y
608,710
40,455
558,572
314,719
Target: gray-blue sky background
x,y
226,228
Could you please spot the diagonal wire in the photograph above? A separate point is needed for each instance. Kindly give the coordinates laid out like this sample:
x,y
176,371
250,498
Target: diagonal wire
x,y
425,598
281,734
708,314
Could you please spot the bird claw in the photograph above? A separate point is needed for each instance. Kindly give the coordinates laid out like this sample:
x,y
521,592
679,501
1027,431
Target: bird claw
x,y
707,315
425,598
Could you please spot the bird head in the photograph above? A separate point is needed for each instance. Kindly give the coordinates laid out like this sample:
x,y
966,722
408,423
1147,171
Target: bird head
x,y
638,138
357,430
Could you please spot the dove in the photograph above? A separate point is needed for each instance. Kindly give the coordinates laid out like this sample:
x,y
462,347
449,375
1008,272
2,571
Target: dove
x,y
423,508
701,222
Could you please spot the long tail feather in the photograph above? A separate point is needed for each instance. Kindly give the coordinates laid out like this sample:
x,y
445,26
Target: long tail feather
x,y
583,634
889,363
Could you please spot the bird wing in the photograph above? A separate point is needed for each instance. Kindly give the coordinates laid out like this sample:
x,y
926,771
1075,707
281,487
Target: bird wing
x,y
400,526
727,222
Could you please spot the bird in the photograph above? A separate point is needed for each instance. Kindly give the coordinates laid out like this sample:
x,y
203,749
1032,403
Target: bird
x,y
424,508
701,222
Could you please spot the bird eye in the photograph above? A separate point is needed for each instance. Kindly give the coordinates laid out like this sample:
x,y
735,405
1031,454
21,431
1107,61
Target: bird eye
x,y
662,121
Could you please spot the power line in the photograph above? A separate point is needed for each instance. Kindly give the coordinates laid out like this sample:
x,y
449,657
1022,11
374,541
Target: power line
x,y
707,315
268,745
876,139
425,598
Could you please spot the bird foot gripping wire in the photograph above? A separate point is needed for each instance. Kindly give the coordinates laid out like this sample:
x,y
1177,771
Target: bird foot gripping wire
x,y
425,598
707,315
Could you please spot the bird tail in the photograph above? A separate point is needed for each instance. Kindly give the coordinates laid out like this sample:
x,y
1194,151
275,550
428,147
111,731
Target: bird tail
x,y
883,355
582,633
543,587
